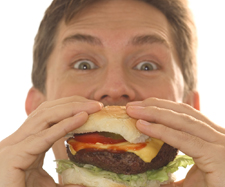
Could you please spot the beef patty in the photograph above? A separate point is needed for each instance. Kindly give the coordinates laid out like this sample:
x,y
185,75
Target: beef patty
x,y
123,162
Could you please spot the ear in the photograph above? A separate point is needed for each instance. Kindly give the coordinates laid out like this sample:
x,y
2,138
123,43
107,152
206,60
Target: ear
x,y
192,99
34,99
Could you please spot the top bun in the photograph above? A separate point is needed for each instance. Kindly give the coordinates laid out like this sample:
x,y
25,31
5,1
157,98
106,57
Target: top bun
x,y
113,119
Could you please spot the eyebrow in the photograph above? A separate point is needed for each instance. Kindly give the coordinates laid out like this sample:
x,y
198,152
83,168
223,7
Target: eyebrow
x,y
92,40
136,40
148,39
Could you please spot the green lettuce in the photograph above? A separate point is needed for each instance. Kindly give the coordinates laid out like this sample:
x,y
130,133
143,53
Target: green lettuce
x,y
142,179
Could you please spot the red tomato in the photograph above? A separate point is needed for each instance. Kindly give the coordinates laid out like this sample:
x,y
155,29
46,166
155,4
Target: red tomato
x,y
96,137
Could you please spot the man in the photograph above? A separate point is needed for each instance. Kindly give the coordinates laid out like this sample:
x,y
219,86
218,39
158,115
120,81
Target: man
x,y
134,53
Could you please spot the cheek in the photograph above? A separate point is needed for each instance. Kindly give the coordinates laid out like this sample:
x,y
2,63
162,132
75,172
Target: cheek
x,y
65,86
65,89
165,88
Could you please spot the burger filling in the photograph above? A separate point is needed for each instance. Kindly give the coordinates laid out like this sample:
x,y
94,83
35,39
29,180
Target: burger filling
x,y
112,152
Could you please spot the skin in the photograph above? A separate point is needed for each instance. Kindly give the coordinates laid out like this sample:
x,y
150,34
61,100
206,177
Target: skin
x,y
102,36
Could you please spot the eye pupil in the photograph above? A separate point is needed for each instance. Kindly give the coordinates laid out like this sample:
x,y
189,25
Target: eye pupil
x,y
84,66
146,67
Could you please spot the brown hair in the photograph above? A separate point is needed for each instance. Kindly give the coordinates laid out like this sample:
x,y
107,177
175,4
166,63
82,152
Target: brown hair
x,y
176,11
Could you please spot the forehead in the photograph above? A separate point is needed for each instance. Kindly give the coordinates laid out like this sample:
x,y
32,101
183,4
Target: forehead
x,y
116,18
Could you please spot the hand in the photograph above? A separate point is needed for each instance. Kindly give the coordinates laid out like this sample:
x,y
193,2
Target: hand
x,y
187,129
22,153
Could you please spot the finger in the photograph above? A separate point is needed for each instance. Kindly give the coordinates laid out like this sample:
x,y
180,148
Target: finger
x,y
177,107
187,143
168,135
46,117
179,121
64,100
168,104
28,150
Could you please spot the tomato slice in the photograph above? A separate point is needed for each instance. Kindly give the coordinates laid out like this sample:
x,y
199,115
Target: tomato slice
x,y
96,137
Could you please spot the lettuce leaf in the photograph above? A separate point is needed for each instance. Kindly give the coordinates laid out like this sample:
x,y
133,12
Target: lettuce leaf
x,y
160,175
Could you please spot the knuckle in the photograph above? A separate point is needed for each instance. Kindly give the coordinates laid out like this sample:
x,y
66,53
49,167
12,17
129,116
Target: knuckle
x,y
29,139
188,119
43,104
163,130
38,112
44,116
153,109
156,111
193,141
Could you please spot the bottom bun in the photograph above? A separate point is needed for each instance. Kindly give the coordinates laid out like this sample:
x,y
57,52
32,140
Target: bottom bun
x,y
82,176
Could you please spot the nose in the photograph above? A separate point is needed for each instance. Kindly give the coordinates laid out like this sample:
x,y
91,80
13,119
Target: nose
x,y
115,87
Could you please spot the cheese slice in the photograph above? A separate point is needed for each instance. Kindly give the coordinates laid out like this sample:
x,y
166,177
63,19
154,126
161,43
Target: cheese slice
x,y
146,151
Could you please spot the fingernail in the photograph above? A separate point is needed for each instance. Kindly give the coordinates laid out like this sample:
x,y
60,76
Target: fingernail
x,y
96,102
101,104
134,103
144,122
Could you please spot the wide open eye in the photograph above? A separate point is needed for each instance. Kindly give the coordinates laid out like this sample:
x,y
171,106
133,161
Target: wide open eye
x,y
146,66
84,65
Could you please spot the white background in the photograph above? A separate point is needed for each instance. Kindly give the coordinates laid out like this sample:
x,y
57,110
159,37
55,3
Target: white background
x,y
19,21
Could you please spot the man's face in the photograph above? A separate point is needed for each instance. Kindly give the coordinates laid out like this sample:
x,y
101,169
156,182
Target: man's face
x,y
115,52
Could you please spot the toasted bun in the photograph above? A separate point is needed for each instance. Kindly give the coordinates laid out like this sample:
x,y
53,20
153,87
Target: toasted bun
x,y
113,119
81,176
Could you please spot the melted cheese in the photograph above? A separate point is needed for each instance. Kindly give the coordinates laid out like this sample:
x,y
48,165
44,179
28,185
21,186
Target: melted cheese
x,y
146,151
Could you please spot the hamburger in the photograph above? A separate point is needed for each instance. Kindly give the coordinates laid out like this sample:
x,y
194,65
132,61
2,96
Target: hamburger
x,y
108,150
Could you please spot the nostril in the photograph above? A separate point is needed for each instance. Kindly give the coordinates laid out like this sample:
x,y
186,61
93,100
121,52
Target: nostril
x,y
104,96
125,96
